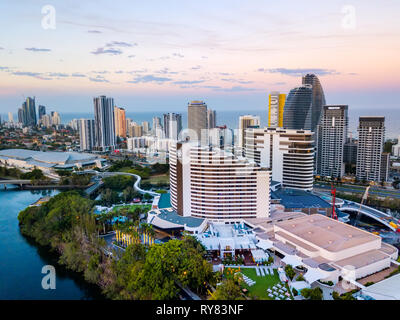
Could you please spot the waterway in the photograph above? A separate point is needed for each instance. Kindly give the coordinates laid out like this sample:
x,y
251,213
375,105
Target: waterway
x,y
21,260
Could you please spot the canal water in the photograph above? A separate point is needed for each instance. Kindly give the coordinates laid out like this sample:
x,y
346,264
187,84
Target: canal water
x,y
21,260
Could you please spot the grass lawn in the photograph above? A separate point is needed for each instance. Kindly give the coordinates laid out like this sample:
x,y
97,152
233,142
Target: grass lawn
x,y
132,207
258,289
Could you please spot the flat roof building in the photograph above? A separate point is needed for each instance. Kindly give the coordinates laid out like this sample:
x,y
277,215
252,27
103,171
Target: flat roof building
x,y
388,289
49,160
329,249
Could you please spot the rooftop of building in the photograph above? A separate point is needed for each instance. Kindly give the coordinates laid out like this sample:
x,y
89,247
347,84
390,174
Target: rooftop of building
x,y
297,199
235,236
389,287
362,259
168,218
326,233
48,156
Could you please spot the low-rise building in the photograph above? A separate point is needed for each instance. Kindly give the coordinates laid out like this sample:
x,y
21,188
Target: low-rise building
x,y
328,249
48,161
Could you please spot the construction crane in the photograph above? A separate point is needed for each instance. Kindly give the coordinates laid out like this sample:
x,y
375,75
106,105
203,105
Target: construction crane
x,y
363,200
333,192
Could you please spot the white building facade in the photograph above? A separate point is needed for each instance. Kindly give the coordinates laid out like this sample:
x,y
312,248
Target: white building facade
x,y
289,154
208,182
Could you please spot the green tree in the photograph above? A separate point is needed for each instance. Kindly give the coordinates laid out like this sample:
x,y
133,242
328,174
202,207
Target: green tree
x,y
229,289
128,194
312,294
109,197
147,196
119,182
289,271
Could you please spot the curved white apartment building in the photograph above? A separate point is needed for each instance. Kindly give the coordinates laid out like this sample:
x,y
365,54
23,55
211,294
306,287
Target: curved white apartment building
x,y
211,183
288,153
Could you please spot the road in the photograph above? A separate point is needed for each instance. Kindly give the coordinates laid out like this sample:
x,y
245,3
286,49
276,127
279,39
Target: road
x,y
358,189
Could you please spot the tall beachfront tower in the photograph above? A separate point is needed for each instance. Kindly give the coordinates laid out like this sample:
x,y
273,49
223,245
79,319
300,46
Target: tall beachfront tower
x,y
297,110
86,134
371,139
42,111
289,154
197,119
303,106
331,137
172,125
105,138
29,112
120,122
211,119
318,99
245,122
276,104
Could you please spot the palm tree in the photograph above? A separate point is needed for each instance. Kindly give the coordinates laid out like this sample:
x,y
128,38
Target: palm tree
x,y
147,229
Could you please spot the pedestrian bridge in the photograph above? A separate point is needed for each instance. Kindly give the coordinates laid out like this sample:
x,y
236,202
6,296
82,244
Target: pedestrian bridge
x,y
136,185
19,182
382,217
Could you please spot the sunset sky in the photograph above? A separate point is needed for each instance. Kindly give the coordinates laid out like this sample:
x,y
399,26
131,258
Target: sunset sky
x,y
158,55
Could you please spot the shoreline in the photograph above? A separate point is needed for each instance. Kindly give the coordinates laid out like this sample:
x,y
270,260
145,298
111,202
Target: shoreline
x,y
53,255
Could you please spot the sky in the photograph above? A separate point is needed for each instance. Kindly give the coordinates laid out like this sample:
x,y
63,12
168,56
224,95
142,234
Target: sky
x,y
159,55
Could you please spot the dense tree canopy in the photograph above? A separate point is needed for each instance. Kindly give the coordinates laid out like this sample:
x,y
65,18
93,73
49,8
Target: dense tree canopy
x,y
155,274
66,224
229,289
119,182
312,294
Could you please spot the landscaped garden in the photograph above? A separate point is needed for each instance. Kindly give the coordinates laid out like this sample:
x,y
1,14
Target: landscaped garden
x,y
262,283
133,207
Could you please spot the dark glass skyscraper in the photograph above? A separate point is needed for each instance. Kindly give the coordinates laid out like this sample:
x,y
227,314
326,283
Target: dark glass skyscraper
x,y
297,111
104,124
20,115
42,111
318,99
29,112
303,107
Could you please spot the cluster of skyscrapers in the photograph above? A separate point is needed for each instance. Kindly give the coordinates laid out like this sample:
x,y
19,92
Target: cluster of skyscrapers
x,y
110,124
305,109
304,137
27,116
